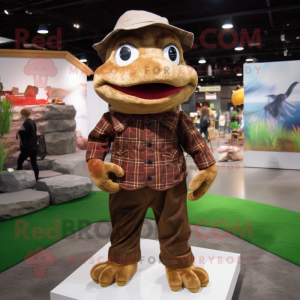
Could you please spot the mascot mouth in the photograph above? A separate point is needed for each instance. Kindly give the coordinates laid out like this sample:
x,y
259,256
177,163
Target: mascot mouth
x,y
150,91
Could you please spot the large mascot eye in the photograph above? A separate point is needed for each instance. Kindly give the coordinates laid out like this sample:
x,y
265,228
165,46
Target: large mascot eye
x,y
126,54
171,53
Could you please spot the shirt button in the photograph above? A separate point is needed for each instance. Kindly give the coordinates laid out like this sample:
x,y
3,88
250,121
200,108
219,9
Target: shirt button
x,y
149,144
149,123
149,161
149,178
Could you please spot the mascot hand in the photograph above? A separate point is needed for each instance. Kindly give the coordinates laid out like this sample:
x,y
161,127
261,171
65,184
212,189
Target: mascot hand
x,y
202,182
99,172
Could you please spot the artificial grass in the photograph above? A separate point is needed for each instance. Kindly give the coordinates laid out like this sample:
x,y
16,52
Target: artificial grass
x,y
271,228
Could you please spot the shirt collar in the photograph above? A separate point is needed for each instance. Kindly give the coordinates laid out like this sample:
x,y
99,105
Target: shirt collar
x,y
121,121
168,118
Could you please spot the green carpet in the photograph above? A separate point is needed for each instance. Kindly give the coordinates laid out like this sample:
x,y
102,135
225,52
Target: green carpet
x,y
271,228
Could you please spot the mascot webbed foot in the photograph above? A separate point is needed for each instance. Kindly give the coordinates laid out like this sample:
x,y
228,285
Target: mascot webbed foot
x,y
109,272
192,278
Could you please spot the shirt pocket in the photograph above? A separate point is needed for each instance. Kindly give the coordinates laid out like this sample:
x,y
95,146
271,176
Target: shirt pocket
x,y
172,164
119,155
121,152
170,155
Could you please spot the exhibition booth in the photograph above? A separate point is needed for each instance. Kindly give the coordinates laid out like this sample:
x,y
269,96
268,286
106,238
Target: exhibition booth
x,y
53,85
142,182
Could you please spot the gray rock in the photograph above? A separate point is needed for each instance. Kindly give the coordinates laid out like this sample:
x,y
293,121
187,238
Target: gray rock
x,y
56,125
73,164
61,142
44,164
16,181
54,157
48,112
48,173
49,118
14,145
22,203
65,188
11,162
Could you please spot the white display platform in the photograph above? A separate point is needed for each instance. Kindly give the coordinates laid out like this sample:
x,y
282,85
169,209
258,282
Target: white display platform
x,y
272,160
150,281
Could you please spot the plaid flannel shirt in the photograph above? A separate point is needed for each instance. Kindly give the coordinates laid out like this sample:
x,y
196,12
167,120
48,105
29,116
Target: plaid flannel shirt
x,y
148,147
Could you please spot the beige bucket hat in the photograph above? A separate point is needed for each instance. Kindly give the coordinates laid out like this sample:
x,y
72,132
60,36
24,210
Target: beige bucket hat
x,y
134,19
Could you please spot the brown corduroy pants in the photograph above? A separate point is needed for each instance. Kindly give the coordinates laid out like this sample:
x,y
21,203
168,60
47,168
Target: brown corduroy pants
x,y
127,212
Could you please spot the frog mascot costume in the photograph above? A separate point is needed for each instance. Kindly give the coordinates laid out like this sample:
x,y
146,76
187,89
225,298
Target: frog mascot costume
x,y
144,78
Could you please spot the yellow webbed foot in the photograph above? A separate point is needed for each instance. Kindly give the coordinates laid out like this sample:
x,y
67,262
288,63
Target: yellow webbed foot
x,y
192,278
109,272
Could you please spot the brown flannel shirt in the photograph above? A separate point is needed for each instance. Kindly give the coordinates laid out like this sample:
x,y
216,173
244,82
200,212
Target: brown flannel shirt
x,y
148,147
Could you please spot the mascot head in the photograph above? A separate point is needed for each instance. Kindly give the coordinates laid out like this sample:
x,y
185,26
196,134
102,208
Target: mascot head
x,y
144,71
